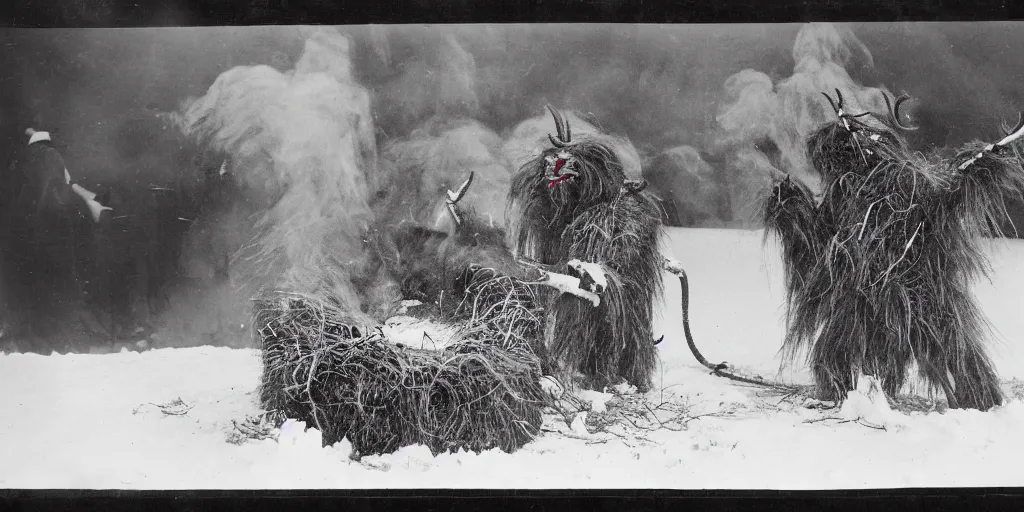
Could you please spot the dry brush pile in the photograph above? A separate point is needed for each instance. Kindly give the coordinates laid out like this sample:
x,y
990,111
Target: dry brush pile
x,y
481,391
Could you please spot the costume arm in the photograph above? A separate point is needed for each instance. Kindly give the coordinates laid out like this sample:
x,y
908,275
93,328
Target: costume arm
x,y
980,183
614,248
789,213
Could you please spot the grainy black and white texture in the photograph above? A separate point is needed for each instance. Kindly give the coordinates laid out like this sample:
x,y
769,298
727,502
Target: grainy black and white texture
x,y
480,392
879,269
595,219
39,237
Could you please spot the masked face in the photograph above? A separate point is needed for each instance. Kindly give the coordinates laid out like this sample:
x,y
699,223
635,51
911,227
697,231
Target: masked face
x,y
561,169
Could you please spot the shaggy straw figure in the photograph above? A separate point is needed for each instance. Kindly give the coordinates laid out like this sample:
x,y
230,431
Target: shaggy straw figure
x,y
571,203
480,392
878,273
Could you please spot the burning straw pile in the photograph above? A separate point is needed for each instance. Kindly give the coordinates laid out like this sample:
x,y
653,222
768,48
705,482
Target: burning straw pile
x,y
481,391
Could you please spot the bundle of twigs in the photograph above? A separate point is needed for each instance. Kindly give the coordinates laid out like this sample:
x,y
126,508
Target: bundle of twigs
x,y
480,392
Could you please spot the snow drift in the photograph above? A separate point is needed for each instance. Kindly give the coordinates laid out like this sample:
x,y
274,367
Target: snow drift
x,y
113,421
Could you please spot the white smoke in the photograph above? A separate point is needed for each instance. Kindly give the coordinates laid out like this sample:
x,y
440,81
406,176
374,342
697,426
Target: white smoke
x,y
456,88
379,43
440,83
786,112
300,142
691,184
439,157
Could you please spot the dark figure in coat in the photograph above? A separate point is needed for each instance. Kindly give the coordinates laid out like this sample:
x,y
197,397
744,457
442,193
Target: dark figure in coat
x,y
39,237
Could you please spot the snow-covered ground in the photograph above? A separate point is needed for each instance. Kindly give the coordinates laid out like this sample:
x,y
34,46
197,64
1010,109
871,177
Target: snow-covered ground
x,y
96,421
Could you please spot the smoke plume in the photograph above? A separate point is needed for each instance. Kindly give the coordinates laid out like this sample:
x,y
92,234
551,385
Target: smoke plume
x,y
437,80
774,118
301,144
438,157
691,191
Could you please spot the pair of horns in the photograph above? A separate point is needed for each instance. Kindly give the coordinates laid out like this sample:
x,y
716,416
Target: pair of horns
x,y
1012,134
893,109
562,126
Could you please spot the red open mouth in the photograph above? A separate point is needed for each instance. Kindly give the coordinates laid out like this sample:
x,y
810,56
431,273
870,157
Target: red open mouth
x,y
557,177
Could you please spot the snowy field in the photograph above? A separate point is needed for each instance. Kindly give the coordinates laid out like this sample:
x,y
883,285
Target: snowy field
x,y
112,421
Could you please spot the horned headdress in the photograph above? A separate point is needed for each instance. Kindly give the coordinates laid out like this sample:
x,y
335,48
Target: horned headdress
x,y
893,112
564,137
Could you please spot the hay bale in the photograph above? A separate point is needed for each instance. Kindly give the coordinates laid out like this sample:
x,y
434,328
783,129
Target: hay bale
x,y
480,391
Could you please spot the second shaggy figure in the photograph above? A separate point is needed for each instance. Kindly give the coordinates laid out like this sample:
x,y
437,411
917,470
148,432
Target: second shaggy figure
x,y
879,271
574,212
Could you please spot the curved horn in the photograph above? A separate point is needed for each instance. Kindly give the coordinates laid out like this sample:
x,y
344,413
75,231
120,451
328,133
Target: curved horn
x,y
894,111
555,142
1018,126
1015,133
568,129
455,197
830,102
559,123
839,98
451,203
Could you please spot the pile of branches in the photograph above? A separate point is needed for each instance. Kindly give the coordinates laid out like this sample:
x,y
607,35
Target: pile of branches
x,y
499,305
481,391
